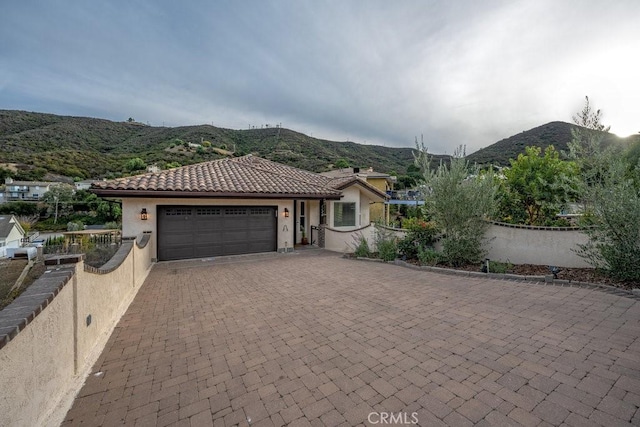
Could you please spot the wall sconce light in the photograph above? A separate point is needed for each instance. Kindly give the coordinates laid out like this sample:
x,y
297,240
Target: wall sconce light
x,y
286,212
143,214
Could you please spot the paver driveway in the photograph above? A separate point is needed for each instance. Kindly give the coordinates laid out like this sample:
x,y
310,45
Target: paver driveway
x,y
314,339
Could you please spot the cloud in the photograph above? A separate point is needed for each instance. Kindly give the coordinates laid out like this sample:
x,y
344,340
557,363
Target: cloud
x,y
374,71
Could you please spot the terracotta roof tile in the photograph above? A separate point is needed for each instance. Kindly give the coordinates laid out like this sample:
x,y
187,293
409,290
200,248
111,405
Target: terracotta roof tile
x,y
247,175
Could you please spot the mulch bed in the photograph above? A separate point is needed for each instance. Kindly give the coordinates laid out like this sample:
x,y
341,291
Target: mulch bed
x,y
587,275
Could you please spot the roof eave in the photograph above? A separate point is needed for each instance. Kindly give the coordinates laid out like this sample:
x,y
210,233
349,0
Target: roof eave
x,y
210,195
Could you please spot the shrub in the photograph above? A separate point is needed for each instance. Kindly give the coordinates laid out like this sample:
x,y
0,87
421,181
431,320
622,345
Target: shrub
x,y
75,226
420,235
20,208
428,256
361,247
386,244
498,267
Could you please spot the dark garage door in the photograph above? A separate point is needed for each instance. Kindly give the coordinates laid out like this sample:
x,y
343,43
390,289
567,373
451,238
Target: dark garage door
x,y
205,231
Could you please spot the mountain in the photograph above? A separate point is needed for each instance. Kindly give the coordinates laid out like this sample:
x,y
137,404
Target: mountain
x,y
557,134
44,144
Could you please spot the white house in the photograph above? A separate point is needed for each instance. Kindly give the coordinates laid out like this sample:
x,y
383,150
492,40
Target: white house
x,y
11,234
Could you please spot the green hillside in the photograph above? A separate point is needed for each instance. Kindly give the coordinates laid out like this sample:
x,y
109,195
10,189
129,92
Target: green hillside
x,y
93,148
557,134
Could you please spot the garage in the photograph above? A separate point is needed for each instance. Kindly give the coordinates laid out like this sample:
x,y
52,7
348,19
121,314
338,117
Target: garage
x,y
206,231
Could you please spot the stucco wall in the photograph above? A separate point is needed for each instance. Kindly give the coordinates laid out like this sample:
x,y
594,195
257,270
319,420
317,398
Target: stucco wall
x,y
44,366
37,366
132,225
542,245
518,245
377,210
345,241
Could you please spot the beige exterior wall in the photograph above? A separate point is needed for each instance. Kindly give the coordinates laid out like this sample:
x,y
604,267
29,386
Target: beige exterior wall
x,y
535,246
38,366
45,365
377,210
345,241
132,225
351,195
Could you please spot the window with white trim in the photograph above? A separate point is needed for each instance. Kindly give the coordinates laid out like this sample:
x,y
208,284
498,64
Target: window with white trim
x,y
344,214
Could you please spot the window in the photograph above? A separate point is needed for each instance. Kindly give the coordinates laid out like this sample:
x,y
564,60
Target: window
x,y
344,214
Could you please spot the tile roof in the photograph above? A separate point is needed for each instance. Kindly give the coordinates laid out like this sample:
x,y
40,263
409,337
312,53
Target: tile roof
x,y
247,176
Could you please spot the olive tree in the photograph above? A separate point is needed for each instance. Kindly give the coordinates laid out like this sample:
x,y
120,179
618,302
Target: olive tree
x,y
614,223
460,201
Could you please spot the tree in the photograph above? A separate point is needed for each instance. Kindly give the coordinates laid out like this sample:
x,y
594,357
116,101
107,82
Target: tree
x,y
109,211
614,232
5,173
135,164
341,164
587,149
460,202
541,185
27,222
58,199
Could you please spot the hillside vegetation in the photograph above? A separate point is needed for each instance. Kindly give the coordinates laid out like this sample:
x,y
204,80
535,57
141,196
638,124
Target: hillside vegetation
x,y
557,134
81,147
48,146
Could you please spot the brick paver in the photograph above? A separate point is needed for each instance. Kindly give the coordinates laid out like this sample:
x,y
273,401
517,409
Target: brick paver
x,y
314,339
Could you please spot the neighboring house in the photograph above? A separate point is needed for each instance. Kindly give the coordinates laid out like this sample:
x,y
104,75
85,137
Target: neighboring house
x,y
237,205
83,185
11,234
382,181
25,190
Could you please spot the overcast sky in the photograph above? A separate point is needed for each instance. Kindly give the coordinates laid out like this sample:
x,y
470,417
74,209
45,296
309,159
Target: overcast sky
x,y
376,72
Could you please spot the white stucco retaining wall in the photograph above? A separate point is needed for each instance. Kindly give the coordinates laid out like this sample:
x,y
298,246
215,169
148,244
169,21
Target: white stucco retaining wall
x,y
535,245
345,241
506,243
44,366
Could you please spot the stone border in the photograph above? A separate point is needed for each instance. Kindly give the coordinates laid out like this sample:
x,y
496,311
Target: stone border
x,y
17,315
543,280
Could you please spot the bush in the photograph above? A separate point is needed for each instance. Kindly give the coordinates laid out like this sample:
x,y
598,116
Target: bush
x,y
420,236
20,208
362,247
49,225
386,244
497,267
75,226
428,256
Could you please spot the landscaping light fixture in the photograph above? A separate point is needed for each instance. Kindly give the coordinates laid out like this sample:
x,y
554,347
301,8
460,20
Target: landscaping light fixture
x,y
286,212
143,214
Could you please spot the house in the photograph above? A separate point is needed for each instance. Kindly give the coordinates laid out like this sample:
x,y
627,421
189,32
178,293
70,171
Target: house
x,y
25,190
11,234
83,185
236,206
382,181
